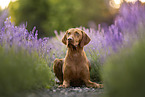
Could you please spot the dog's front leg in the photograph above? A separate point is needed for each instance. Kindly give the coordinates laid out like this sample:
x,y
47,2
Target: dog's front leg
x,y
93,84
66,84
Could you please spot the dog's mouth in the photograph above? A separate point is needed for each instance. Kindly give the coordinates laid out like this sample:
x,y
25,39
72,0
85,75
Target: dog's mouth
x,y
73,43
74,47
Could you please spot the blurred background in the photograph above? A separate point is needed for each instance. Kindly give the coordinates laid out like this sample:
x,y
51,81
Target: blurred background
x,y
50,15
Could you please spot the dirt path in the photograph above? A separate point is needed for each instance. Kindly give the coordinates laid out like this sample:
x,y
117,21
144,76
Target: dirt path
x,y
68,92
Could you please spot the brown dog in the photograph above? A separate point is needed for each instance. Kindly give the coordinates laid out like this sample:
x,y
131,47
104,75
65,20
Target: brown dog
x,y
74,69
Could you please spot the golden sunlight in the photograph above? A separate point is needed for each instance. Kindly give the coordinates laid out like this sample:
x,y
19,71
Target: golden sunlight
x,y
143,1
117,3
131,1
5,3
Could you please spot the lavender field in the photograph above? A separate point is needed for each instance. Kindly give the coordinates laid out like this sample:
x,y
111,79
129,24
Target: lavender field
x,y
33,57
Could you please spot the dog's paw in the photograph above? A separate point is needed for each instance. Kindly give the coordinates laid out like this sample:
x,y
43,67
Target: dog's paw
x,y
99,86
63,86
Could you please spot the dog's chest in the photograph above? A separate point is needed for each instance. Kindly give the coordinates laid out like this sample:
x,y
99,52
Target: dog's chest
x,y
76,59
75,66
75,55
75,70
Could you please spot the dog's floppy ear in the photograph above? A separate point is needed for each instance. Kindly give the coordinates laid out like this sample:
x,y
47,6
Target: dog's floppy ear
x,y
64,39
85,39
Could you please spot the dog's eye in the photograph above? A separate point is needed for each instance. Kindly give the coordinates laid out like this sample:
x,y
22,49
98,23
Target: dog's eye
x,y
77,33
68,33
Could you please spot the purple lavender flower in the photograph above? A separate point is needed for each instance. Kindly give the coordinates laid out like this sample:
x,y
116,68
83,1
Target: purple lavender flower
x,y
103,40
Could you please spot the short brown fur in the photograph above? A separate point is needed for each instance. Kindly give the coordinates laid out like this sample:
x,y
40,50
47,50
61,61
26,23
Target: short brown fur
x,y
74,69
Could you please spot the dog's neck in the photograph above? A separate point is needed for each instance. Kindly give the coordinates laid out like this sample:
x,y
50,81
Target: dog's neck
x,y
72,50
76,55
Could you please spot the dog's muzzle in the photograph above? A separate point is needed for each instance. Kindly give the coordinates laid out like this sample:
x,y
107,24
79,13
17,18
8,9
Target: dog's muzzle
x,y
70,39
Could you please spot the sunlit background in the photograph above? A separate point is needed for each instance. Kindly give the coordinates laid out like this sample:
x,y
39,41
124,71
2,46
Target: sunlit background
x,y
117,3
5,3
55,14
113,3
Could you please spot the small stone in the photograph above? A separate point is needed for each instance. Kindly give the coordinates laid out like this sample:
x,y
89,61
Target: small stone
x,y
80,90
66,93
62,91
54,90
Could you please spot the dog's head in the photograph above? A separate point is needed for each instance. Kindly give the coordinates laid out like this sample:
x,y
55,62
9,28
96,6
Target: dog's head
x,y
75,37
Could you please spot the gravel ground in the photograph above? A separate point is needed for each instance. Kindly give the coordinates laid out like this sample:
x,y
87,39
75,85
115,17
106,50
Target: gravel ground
x,y
67,92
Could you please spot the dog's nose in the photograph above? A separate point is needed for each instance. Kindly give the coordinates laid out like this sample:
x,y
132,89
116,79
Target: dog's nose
x,y
70,39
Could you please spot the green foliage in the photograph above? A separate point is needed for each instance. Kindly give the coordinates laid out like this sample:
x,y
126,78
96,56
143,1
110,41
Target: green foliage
x,y
63,14
96,67
124,72
50,15
21,71
31,11
95,10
